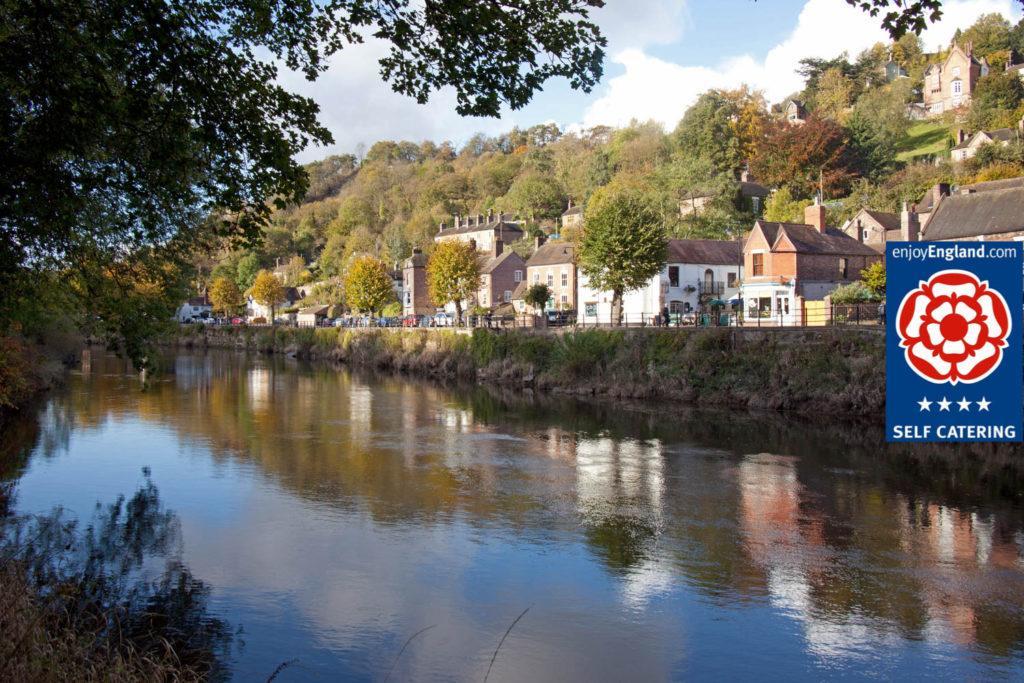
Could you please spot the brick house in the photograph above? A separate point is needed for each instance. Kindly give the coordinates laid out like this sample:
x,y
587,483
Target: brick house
x,y
950,83
481,230
786,264
500,274
553,264
415,295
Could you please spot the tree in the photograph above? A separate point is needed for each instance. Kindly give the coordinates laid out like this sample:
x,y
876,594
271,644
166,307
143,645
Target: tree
x,y
623,243
247,269
367,285
116,135
537,295
268,291
990,33
996,101
782,208
453,274
293,271
535,196
802,156
225,296
707,131
873,278
834,96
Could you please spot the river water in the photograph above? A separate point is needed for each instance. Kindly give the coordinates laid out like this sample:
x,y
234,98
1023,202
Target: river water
x,y
336,515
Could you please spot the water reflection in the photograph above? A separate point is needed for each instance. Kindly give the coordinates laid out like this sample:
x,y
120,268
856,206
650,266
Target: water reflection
x,y
652,540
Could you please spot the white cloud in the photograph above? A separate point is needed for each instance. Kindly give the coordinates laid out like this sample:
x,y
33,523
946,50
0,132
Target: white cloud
x,y
653,88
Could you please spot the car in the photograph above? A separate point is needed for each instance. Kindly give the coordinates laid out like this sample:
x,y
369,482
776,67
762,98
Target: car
x,y
443,320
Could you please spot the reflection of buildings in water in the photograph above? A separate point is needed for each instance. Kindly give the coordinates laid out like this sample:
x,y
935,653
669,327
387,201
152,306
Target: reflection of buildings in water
x,y
611,471
360,405
259,386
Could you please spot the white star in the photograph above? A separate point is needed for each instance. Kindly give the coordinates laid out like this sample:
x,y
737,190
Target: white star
x,y
925,404
964,404
983,404
944,404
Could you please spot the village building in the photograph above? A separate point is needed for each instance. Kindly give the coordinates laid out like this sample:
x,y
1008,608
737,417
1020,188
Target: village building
x,y
788,264
893,70
750,193
926,206
553,264
968,145
312,316
950,83
195,308
874,228
970,215
483,231
415,294
795,112
254,309
500,274
697,274
572,217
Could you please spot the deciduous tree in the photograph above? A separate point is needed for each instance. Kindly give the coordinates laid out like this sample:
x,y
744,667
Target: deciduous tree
x,y
802,156
268,291
537,295
623,243
368,286
225,297
453,274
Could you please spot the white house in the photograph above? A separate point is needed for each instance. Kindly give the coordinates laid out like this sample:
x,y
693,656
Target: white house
x,y
696,272
196,308
254,309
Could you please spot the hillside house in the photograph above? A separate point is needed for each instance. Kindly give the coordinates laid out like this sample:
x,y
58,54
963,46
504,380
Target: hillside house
x,y
254,309
926,206
967,146
196,308
482,231
415,295
950,83
572,217
873,228
553,264
786,264
696,273
795,112
312,316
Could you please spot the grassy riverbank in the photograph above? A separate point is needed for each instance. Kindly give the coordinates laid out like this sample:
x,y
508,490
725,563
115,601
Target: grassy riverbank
x,y
813,370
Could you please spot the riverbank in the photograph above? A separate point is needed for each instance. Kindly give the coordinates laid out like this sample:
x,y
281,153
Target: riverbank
x,y
836,372
26,370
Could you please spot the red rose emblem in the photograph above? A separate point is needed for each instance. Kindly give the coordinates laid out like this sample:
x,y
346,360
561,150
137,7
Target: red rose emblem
x,y
954,328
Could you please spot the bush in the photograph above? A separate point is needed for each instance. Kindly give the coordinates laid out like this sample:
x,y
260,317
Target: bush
x,y
853,293
584,352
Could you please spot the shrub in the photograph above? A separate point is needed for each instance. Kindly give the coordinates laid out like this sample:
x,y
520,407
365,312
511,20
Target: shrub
x,y
853,293
580,353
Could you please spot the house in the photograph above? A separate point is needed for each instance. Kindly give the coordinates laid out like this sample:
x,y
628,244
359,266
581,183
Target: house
x,y
696,273
196,308
481,231
500,274
795,112
753,193
874,228
313,316
893,70
933,196
787,264
572,217
415,295
254,309
950,83
988,215
968,146
554,264
694,202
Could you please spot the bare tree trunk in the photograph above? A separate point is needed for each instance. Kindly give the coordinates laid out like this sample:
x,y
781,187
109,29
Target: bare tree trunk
x,y
616,307
458,313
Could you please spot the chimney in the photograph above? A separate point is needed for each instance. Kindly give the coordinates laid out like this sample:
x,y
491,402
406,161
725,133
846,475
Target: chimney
x,y
814,215
479,219
417,250
939,191
910,224
860,231
441,227
538,241
456,220
745,175
499,247
490,215
961,135
570,198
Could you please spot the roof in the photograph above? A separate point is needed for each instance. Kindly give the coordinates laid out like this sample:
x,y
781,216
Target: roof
x,y
749,189
488,264
291,294
888,221
997,135
314,310
962,216
520,291
807,239
551,254
989,185
572,210
199,301
710,252
495,223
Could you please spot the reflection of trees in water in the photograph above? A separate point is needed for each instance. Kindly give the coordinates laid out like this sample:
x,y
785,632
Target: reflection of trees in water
x,y
94,583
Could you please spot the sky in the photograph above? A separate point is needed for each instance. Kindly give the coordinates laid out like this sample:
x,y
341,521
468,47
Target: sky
x,y
661,55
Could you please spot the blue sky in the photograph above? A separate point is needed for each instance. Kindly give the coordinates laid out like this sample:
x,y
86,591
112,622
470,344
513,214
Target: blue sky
x,y
661,55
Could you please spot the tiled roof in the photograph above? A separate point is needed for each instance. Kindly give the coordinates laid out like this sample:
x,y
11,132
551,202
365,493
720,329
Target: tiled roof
x,y
497,223
749,189
997,135
199,301
552,253
710,252
807,239
520,291
976,214
572,210
488,264
314,310
889,221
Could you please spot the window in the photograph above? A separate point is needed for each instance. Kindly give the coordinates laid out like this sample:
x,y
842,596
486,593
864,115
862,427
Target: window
x,y
842,268
673,276
590,309
408,297
565,299
508,295
536,278
865,235
958,87
758,264
731,279
565,279
519,276
551,279
709,280
675,306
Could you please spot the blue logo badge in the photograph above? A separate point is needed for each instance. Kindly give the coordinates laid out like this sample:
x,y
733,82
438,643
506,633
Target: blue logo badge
x,y
953,341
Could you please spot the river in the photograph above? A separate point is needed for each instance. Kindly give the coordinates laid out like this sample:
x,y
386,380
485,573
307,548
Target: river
x,y
336,515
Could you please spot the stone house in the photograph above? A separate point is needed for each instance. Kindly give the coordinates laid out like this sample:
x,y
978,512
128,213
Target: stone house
x,y
786,264
483,231
950,83
415,295
572,217
795,112
988,215
696,272
968,146
553,264
874,228
926,206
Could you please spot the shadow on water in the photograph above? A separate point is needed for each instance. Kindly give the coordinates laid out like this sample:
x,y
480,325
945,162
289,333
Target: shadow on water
x,y
815,516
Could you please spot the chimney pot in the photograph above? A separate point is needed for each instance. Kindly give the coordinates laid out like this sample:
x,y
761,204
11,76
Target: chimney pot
x,y
910,224
499,246
441,227
538,241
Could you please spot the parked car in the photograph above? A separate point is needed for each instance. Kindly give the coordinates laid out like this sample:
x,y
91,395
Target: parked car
x,y
443,320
